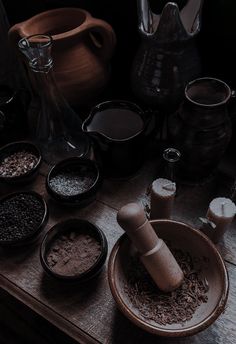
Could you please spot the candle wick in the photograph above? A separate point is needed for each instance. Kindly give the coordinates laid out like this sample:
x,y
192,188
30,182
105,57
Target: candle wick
x,y
169,186
206,221
223,204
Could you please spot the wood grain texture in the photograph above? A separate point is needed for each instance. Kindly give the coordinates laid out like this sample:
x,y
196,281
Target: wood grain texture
x,y
88,312
19,324
116,193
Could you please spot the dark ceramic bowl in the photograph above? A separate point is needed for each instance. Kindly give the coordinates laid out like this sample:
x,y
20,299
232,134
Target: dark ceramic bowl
x,y
213,269
16,147
36,231
78,226
82,168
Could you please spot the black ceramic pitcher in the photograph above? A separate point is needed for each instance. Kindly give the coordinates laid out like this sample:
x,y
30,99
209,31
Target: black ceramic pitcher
x,y
118,129
201,129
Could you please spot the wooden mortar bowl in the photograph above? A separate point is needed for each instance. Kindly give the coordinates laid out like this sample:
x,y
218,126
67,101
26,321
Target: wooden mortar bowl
x,y
186,238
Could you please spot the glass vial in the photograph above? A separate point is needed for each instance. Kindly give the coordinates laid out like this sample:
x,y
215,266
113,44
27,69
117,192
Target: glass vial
x,y
171,158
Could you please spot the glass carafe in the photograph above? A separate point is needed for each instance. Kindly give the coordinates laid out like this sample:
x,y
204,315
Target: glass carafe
x,y
54,125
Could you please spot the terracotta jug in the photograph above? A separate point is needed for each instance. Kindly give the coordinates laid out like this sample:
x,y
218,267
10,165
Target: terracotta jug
x,y
167,57
81,51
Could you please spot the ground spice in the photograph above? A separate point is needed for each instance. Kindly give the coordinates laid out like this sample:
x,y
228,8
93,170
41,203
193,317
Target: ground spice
x,y
175,307
17,164
20,215
71,183
73,253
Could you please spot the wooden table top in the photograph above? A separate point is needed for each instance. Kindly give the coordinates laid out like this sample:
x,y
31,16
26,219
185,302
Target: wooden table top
x,y
89,314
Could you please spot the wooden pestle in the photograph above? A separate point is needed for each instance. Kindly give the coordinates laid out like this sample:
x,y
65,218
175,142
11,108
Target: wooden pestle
x,y
155,255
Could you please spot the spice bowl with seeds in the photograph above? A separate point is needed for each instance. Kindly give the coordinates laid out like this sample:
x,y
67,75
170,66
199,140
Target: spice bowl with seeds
x,y
187,310
23,216
74,181
73,250
19,162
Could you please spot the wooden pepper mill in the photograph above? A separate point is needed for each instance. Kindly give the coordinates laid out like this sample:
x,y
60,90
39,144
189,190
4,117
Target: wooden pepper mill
x,y
154,254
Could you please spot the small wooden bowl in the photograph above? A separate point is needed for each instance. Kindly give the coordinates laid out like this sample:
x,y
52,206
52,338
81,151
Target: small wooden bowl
x,y
187,239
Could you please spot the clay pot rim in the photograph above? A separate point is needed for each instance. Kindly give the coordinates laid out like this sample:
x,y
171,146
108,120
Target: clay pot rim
x,y
50,13
191,330
195,81
96,108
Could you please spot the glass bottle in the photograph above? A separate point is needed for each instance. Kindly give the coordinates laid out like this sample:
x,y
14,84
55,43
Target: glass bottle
x,y
54,125
171,157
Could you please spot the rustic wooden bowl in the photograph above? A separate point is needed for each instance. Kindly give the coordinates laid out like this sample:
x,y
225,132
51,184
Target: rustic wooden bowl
x,y
183,237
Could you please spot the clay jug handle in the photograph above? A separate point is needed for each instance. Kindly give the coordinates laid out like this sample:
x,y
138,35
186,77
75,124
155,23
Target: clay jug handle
x,y
106,41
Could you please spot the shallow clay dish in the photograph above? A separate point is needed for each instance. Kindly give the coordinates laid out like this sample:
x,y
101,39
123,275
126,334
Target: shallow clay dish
x,y
187,239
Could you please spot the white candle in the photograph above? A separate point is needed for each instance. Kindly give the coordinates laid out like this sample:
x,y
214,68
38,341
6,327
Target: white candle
x,y
221,212
162,198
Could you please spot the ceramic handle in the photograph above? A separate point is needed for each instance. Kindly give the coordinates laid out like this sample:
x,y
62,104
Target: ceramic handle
x,y
233,94
108,38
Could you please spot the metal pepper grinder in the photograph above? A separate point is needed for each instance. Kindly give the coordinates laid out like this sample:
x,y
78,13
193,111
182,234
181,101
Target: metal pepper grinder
x,y
154,254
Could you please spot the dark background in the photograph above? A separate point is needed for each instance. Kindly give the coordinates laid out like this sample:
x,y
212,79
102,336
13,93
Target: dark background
x,y
216,41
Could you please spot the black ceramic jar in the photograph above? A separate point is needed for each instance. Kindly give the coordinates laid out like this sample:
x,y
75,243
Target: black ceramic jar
x,y
201,129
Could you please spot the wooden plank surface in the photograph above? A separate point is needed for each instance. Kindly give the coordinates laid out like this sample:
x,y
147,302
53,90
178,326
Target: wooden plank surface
x,y
88,313
20,325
